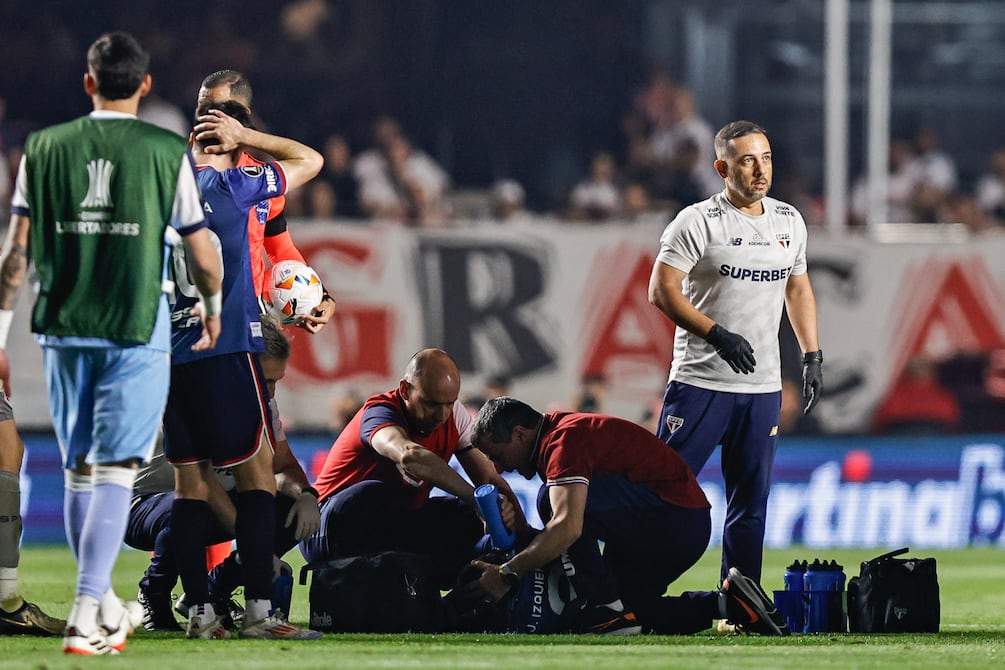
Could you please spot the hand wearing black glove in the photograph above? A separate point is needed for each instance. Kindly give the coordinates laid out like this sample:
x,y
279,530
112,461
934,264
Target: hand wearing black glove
x,y
813,379
733,348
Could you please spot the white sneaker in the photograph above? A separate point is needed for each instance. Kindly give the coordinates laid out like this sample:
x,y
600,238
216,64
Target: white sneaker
x,y
274,627
95,644
132,616
206,626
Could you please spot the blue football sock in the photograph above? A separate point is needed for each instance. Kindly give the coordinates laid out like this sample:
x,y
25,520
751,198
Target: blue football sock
x,y
255,526
104,528
76,500
191,523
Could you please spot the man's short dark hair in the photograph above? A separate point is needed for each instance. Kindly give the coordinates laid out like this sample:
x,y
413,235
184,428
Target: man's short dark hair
x,y
119,64
229,107
498,416
240,87
732,131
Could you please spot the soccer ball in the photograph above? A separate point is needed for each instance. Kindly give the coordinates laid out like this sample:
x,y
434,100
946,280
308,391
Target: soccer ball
x,y
292,290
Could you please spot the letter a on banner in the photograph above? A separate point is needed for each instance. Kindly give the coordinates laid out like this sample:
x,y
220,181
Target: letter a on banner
x,y
627,329
953,306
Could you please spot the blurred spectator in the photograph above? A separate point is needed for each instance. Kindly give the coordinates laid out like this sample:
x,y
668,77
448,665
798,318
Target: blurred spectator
x,y
936,176
319,200
301,21
335,192
640,165
685,146
343,408
158,111
936,168
975,379
637,206
508,200
495,387
596,198
371,163
656,101
917,404
963,208
790,187
680,179
398,182
590,397
990,188
902,182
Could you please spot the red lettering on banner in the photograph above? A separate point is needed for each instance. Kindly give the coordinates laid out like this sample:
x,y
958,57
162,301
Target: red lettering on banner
x,y
348,252
629,330
357,341
958,315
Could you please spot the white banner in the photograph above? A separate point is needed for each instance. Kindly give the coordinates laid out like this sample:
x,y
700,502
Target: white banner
x,y
548,304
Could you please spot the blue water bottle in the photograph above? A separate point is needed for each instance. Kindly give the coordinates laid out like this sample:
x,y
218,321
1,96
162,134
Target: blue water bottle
x,y
790,602
487,499
793,576
824,583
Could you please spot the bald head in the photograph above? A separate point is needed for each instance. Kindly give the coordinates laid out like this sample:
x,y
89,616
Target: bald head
x,y
432,367
429,388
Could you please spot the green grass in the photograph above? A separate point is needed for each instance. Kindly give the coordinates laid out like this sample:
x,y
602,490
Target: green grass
x,y
973,631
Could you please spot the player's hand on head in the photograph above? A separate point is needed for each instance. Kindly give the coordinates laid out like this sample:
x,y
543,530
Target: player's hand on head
x,y
732,348
813,379
214,124
306,514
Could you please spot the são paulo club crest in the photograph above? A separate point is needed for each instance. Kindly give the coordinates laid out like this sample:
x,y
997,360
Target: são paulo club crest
x,y
673,423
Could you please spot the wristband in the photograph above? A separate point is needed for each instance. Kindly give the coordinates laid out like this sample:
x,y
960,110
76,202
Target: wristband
x,y
310,490
814,356
6,316
212,305
508,575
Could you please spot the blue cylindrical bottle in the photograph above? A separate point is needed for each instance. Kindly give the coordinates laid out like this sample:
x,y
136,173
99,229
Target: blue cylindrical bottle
x,y
487,499
824,584
790,602
794,575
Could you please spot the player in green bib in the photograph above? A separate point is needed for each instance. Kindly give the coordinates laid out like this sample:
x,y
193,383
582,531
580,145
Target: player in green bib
x,y
95,198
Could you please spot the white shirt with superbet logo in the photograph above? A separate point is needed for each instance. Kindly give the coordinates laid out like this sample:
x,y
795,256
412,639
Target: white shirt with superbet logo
x,y
737,267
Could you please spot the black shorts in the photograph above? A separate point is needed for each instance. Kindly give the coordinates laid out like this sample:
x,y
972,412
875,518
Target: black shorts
x,y
217,410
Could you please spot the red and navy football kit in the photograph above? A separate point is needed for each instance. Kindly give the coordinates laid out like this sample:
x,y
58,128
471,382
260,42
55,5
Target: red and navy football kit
x,y
643,503
267,230
370,505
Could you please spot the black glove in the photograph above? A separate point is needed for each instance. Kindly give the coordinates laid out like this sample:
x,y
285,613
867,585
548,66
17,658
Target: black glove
x,y
813,379
733,349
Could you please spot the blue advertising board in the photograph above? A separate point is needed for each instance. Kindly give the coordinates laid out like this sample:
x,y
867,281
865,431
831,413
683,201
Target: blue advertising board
x,y
855,492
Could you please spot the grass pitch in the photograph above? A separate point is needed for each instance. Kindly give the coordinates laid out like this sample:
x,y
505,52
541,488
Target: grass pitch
x,y
972,586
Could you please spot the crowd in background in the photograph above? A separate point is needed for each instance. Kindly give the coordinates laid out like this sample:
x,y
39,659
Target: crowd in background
x,y
637,149
664,163
644,147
